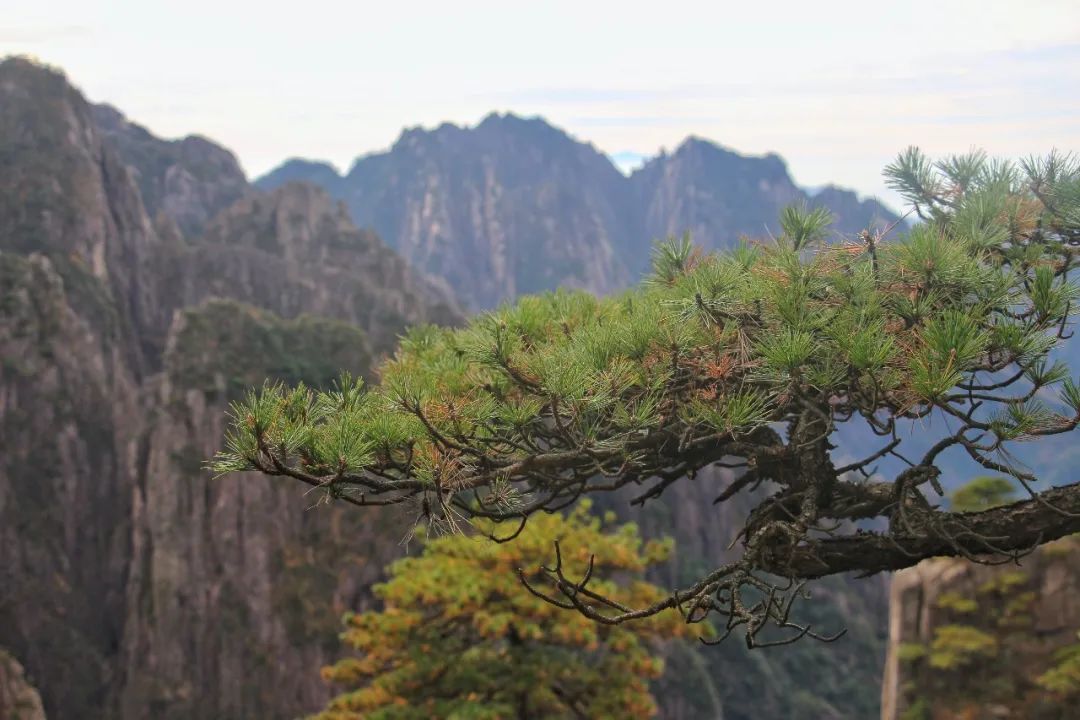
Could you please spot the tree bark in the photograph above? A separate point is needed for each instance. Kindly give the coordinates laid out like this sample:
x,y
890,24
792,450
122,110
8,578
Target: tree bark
x,y
1016,527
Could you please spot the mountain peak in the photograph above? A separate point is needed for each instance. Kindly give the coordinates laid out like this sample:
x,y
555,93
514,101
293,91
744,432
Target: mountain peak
x,y
300,225
848,207
38,104
513,120
529,128
515,205
189,179
493,125
695,144
721,164
93,212
26,67
298,169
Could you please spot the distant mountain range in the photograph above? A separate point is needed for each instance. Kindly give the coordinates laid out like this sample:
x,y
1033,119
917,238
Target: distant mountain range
x,y
145,284
514,205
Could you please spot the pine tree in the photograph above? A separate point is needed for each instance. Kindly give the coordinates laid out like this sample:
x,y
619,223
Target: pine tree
x,y
458,637
750,359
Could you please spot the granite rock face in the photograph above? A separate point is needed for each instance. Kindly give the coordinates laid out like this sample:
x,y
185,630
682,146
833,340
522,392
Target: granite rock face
x,y
75,292
294,250
972,641
18,698
236,592
515,206
719,196
134,585
508,208
187,180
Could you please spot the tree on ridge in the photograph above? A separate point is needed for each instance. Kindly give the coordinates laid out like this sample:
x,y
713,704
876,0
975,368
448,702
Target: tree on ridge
x,y
751,360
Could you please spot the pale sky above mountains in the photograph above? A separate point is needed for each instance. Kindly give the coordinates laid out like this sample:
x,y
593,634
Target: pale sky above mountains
x,y
836,87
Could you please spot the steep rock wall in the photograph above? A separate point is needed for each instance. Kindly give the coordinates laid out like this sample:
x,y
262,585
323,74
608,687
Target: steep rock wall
x,y
970,640
18,698
132,584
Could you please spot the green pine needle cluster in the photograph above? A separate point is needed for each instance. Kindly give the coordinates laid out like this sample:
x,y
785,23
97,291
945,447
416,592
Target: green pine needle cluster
x,y
529,406
715,342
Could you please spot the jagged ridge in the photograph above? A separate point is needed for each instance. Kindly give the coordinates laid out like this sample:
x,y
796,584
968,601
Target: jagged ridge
x,y
514,205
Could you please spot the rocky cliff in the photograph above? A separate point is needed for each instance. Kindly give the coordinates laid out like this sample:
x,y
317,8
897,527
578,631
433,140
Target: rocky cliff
x,y
514,205
294,250
510,207
187,181
133,584
19,700
977,641
235,591
76,254
718,196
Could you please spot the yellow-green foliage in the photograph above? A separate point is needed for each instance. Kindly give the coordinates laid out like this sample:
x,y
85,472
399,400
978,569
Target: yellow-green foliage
x,y
982,493
954,646
985,650
461,637
1004,582
957,602
918,710
911,652
1063,679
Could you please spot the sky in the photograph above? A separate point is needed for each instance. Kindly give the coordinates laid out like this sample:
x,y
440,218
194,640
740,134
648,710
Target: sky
x,y
837,88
